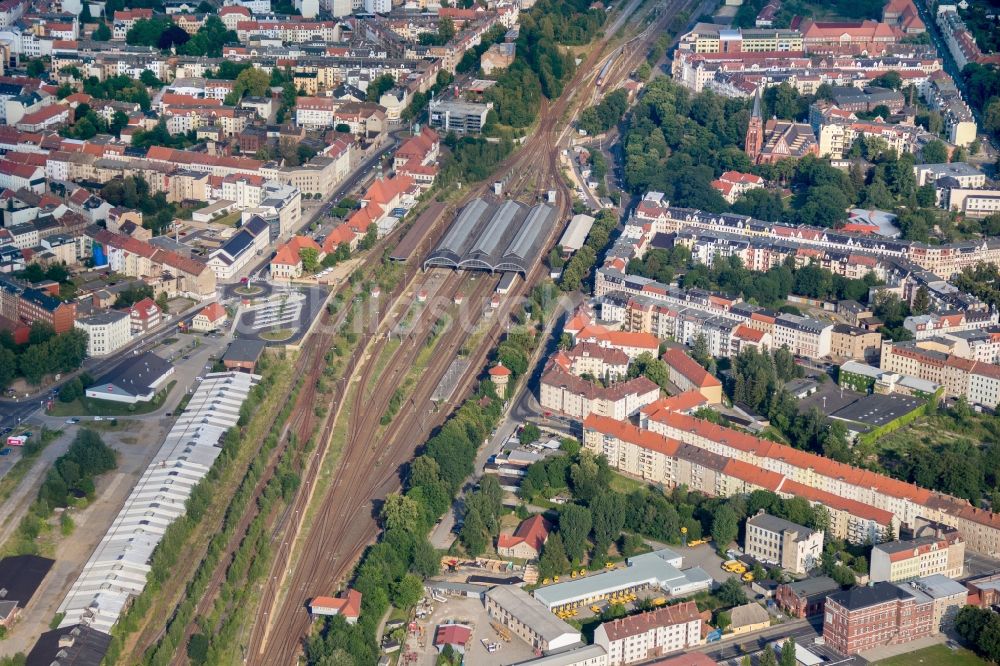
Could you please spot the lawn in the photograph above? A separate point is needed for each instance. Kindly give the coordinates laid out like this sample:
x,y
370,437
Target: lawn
x,y
624,484
278,335
934,655
229,220
94,407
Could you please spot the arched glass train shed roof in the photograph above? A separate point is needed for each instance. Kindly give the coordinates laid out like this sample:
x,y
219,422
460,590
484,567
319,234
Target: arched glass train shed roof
x,y
494,236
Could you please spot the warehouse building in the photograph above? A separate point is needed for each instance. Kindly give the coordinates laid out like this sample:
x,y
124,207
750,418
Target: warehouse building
x,y
117,569
658,571
134,380
529,619
492,236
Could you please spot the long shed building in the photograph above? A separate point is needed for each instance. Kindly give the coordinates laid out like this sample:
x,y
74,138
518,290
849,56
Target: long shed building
x,y
494,236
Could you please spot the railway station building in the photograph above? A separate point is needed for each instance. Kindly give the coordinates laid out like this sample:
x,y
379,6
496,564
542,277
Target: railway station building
x,y
493,236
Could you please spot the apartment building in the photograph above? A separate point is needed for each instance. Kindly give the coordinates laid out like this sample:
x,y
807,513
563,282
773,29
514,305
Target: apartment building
x,y
963,173
688,375
934,324
107,332
861,500
640,637
648,455
897,561
588,358
777,541
864,618
929,360
853,342
565,393
145,315
803,336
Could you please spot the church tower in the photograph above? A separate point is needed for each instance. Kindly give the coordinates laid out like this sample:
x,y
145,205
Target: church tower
x,y
755,131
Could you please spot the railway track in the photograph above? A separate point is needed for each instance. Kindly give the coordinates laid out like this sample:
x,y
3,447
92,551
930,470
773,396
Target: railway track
x,y
346,518
302,424
369,469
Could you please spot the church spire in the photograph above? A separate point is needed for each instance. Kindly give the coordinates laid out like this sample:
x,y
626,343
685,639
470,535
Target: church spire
x,y
755,131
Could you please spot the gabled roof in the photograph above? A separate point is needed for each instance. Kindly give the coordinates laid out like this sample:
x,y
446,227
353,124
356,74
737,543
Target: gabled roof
x,y
214,312
533,532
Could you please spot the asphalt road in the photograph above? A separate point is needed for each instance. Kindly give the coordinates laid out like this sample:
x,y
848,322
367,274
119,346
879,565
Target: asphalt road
x,y
14,411
803,631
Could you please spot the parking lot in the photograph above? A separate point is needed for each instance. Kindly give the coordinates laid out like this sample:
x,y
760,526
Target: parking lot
x,y
472,612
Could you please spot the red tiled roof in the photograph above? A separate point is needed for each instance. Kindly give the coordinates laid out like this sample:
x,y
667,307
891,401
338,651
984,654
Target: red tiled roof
x,y
533,532
746,333
452,634
349,605
668,616
214,312
689,368
499,370
626,432
338,236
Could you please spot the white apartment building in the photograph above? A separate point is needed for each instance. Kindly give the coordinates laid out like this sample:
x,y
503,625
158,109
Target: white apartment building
x,y
107,332
803,336
315,112
967,175
646,635
777,541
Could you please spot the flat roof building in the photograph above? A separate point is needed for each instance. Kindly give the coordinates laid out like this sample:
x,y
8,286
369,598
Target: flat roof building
x,y
458,116
135,379
659,570
117,569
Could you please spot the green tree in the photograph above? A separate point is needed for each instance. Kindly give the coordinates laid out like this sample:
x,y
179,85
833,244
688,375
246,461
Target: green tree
x,y
380,85
725,527
767,657
731,593
608,515
574,526
310,259
473,534
35,67
407,592
400,512
553,560
921,301
788,653
197,648
934,152
102,33
530,433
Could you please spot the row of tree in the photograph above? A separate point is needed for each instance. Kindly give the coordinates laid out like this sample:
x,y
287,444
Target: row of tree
x,y
162,33
581,264
45,353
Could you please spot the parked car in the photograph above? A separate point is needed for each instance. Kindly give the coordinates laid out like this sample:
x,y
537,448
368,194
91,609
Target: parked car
x,y
5,451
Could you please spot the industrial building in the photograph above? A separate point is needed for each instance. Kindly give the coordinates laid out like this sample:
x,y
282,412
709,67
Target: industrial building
x,y
494,236
117,569
659,570
529,619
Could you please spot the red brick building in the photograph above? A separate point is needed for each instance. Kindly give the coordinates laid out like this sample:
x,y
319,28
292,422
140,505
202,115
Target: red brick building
x,y
805,598
864,618
27,305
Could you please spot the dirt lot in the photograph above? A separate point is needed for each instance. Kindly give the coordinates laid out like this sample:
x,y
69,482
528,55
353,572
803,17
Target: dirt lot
x,y
472,612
